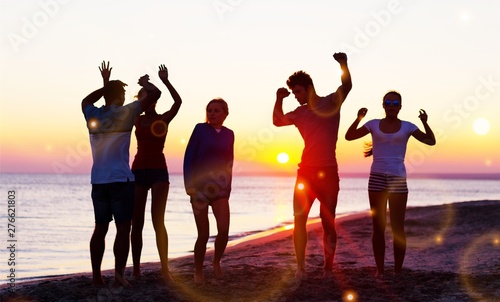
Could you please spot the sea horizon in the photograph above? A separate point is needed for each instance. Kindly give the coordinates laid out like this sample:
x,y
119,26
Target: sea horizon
x,y
430,175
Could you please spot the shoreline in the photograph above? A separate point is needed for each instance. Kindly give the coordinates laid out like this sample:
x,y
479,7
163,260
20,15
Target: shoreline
x,y
445,243
258,237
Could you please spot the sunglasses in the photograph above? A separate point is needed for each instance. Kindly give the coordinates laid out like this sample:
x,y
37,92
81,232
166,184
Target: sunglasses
x,y
394,103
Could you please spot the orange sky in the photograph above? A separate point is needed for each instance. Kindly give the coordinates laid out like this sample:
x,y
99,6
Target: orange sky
x,y
447,65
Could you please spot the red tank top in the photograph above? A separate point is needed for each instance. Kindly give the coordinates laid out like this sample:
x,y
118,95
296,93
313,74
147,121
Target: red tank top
x,y
150,143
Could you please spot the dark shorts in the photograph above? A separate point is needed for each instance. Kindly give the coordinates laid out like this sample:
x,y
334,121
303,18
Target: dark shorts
x,y
383,182
113,200
147,177
321,183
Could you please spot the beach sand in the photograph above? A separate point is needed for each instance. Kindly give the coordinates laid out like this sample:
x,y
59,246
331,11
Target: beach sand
x,y
453,254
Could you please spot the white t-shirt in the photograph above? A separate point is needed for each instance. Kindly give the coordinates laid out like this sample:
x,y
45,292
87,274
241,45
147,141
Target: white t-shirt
x,y
389,149
110,130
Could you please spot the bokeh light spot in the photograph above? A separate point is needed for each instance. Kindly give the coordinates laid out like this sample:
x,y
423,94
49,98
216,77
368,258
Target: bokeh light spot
x,y
159,128
300,186
350,296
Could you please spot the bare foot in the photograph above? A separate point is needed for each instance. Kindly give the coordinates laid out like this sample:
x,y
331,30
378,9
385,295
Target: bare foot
x,y
218,271
327,273
120,280
379,275
300,273
136,273
98,281
167,277
199,278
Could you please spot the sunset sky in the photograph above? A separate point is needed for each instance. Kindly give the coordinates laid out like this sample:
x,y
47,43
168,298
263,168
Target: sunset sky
x,y
442,56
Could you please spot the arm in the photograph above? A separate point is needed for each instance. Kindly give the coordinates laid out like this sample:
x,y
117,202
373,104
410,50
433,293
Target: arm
x,y
354,132
188,164
345,87
230,162
427,137
96,95
170,114
153,93
279,118
92,98
105,72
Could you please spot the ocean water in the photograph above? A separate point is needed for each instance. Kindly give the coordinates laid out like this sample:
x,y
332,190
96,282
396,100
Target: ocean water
x,y
54,217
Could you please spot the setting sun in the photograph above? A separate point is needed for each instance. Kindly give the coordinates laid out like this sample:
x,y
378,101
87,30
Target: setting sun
x,y
283,158
481,126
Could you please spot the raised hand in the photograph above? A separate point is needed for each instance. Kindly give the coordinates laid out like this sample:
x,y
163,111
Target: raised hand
x,y
163,72
282,93
105,71
362,113
422,115
340,57
144,80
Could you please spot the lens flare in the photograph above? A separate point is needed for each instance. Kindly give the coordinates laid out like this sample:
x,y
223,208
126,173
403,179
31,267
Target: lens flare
x,y
93,124
300,186
159,128
350,296
478,250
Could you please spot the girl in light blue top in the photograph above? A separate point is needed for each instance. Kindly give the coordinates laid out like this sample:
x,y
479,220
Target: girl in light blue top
x,y
387,181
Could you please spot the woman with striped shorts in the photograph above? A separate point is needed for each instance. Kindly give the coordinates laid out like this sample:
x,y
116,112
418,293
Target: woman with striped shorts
x,y
387,183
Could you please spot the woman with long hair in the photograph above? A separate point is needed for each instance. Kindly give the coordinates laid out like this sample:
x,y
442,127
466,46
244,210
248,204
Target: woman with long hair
x,y
387,183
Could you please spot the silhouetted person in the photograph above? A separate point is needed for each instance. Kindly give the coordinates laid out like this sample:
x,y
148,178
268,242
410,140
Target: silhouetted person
x,y
208,164
112,181
151,172
317,119
387,182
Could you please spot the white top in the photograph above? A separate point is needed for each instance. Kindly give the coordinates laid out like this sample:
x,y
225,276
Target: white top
x,y
389,149
110,130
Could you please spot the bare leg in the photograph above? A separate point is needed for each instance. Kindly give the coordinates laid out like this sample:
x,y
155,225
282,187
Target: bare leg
x,y
300,242
200,211
121,249
159,194
302,203
378,206
97,246
327,214
221,212
397,206
141,195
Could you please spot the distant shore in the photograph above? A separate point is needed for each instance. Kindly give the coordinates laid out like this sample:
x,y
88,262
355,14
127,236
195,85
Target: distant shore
x,y
452,255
